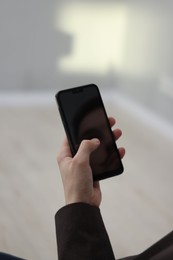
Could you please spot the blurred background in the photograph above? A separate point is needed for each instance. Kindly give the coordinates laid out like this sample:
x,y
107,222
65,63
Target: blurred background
x,y
125,47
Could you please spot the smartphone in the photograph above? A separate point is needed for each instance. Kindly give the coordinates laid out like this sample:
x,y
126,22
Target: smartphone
x,y
84,117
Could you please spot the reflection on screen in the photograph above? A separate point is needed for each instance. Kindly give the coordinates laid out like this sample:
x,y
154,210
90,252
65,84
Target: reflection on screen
x,y
87,120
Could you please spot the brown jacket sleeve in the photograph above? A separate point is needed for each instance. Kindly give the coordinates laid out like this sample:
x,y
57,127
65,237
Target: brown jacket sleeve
x,y
81,234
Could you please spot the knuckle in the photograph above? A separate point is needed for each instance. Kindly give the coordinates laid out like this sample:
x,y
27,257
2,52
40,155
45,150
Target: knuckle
x,y
79,162
86,143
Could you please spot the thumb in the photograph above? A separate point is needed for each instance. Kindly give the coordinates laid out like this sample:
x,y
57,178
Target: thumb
x,y
86,148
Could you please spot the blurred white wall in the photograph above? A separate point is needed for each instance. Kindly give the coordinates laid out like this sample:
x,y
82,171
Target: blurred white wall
x,y
28,45
50,45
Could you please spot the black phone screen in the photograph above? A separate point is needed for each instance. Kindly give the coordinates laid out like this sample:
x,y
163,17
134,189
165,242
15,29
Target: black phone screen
x,y
84,117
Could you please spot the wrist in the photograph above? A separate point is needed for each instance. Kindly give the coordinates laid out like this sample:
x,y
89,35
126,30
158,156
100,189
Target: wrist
x,y
72,200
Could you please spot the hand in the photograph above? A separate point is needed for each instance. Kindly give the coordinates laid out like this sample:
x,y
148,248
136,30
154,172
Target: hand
x,y
76,172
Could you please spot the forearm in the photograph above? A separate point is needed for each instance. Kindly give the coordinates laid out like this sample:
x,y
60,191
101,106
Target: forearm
x,y
81,233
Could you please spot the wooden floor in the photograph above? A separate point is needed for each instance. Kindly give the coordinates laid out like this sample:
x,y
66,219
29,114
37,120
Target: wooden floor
x,y
137,206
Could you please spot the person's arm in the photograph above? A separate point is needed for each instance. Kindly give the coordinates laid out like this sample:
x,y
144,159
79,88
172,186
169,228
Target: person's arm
x,y
80,230
81,233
